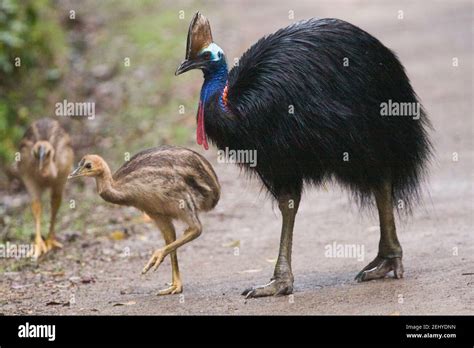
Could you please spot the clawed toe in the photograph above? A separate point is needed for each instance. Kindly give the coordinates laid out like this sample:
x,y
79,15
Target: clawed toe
x,y
53,244
276,287
173,289
155,261
40,248
380,267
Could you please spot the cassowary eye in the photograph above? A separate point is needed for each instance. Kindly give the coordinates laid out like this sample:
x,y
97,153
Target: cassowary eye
x,y
88,166
206,55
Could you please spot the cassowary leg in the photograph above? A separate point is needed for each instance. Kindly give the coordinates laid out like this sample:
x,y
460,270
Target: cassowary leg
x,y
169,234
389,257
56,197
282,280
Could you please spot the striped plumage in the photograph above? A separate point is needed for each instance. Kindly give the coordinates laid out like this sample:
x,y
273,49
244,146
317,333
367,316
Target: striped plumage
x,y
172,174
167,183
46,158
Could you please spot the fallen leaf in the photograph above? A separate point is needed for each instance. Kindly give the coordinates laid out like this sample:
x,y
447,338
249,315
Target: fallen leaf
x,y
55,303
129,303
87,279
233,244
118,235
58,274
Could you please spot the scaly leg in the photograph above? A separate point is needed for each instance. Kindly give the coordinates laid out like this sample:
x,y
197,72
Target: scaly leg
x,y
39,246
192,232
56,197
282,281
389,257
167,229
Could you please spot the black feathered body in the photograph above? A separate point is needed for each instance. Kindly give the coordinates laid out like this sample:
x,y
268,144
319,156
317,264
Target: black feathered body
x,y
308,99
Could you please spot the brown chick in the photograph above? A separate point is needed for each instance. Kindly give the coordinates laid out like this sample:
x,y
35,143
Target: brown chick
x,y
46,158
167,183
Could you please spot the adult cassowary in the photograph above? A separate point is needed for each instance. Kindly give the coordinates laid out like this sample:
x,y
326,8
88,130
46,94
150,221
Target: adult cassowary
x,y
314,100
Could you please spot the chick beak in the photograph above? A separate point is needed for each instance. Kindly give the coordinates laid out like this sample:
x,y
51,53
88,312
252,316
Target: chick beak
x,y
75,173
41,156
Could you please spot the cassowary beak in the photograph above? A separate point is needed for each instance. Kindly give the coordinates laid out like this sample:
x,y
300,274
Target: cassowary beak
x,y
188,64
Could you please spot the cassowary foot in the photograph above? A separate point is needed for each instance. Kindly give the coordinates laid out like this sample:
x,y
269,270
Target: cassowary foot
x,y
39,249
380,267
276,287
175,288
155,261
52,243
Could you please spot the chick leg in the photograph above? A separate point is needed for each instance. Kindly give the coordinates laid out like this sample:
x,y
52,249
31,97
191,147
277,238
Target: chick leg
x,y
56,197
192,232
389,257
34,190
282,280
39,246
167,229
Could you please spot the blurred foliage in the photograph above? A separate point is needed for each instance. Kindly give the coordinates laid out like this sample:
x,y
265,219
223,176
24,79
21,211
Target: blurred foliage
x,y
31,43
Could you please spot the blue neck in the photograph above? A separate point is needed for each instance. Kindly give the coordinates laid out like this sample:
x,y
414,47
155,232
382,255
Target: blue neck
x,y
215,79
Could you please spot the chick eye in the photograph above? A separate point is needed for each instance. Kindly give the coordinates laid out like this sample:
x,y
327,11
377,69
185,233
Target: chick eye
x,y
88,166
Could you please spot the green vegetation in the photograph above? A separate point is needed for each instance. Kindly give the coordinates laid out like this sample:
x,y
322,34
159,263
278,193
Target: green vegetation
x,y
137,106
31,48
153,38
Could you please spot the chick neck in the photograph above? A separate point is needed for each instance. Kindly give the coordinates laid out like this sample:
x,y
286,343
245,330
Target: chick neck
x,y
106,185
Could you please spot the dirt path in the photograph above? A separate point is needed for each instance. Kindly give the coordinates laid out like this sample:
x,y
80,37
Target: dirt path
x,y
95,274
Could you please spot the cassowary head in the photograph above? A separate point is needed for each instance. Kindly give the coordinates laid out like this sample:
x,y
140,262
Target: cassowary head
x,y
201,52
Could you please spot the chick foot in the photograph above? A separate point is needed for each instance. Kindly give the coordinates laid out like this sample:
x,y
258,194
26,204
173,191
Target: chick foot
x,y
276,287
175,288
380,267
155,261
52,243
39,249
